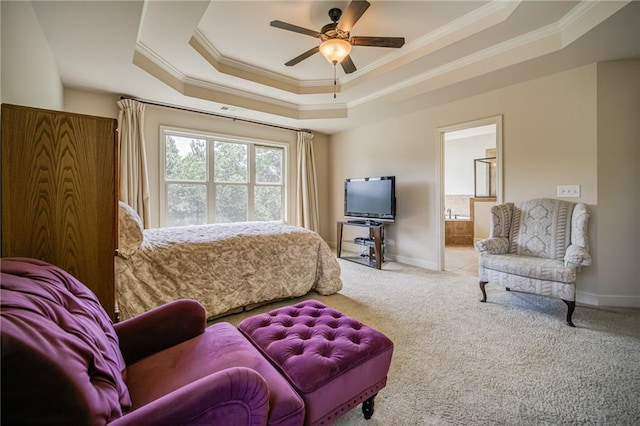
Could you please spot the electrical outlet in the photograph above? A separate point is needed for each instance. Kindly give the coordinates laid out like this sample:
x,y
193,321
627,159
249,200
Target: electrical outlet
x,y
568,191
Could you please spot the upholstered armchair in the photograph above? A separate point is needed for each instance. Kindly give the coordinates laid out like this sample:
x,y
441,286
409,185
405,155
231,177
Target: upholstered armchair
x,y
536,246
63,362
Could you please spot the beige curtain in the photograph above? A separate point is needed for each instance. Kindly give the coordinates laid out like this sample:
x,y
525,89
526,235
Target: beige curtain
x,y
134,181
307,211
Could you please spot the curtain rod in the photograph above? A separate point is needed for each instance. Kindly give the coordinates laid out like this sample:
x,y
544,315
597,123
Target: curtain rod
x,y
199,111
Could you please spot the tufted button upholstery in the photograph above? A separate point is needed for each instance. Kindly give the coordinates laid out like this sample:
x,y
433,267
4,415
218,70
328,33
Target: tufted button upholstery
x,y
317,348
48,316
64,363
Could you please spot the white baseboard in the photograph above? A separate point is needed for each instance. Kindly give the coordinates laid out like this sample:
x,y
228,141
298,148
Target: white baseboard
x,y
587,298
607,300
415,262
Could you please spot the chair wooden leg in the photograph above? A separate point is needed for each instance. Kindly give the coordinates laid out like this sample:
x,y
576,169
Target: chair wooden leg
x,y
571,306
484,293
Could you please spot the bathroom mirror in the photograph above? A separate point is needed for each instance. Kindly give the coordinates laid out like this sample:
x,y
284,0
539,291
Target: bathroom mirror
x,y
485,177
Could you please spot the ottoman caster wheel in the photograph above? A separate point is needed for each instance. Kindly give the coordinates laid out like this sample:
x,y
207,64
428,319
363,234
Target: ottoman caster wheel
x,y
367,407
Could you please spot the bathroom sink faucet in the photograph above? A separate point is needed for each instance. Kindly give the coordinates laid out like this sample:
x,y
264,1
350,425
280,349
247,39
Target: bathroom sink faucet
x,y
449,213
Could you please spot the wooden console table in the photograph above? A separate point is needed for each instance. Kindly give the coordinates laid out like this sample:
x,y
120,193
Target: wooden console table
x,y
374,243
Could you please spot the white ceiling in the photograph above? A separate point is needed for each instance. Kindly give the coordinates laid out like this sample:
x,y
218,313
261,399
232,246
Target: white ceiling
x,y
224,57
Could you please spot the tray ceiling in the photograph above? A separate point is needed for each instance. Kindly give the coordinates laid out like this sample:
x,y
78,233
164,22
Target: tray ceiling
x,y
224,57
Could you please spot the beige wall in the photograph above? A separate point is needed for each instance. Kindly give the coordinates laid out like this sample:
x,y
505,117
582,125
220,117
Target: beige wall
x,y
618,233
482,219
91,103
550,130
404,147
29,72
459,156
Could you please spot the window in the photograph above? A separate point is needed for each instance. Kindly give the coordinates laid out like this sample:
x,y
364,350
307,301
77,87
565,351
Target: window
x,y
213,179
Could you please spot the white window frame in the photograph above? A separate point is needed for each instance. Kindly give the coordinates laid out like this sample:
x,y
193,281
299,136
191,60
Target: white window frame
x,y
209,181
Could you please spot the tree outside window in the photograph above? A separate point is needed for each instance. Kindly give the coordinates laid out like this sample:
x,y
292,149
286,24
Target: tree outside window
x,y
212,180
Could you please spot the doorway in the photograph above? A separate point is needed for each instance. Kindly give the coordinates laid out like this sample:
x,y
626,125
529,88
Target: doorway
x,y
470,183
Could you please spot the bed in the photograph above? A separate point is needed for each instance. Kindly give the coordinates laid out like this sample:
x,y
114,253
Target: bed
x,y
227,267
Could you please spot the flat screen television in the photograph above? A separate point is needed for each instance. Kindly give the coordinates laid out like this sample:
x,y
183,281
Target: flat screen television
x,y
370,199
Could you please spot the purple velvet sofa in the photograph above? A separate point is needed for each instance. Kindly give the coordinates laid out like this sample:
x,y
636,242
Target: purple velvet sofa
x,y
63,362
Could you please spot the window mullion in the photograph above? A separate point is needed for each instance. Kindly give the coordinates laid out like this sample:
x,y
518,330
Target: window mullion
x,y
250,183
211,184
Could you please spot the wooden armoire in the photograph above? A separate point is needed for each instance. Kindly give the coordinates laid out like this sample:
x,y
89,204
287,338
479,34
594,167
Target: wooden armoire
x,y
59,193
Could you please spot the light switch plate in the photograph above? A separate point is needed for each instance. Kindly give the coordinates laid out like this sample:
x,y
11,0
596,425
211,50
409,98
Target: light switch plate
x,y
568,191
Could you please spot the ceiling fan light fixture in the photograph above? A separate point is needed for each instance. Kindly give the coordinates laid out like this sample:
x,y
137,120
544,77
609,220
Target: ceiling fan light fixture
x,y
335,50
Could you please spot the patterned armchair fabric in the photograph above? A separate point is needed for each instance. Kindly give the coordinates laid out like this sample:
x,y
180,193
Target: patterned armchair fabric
x,y
536,246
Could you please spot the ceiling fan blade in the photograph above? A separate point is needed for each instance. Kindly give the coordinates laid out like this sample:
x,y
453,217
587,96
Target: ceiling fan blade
x,y
294,28
303,56
354,12
378,41
347,65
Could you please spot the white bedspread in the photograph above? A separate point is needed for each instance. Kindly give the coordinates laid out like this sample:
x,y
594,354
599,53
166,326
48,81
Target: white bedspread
x,y
224,266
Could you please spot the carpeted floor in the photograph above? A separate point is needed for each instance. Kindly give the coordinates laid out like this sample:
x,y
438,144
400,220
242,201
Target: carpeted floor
x,y
511,361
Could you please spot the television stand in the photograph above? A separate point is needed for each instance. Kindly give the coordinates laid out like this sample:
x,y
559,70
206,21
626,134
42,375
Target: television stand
x,y
374,243
364,222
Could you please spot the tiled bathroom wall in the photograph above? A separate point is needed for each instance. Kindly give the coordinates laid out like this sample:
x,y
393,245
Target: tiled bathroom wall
x,y
459,205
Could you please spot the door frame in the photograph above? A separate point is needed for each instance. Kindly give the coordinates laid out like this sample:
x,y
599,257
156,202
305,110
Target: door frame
x,y
440,149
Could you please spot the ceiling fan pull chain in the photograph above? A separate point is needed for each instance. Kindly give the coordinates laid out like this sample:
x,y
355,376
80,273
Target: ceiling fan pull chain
x,y
334,80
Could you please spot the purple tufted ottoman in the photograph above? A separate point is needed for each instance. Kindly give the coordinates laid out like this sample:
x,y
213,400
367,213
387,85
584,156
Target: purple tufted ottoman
x,y
334,361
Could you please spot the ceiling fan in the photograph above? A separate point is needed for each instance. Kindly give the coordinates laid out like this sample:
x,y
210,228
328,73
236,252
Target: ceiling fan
x,y
336,38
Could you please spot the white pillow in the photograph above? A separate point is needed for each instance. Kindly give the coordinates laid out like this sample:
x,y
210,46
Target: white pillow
x,y
130,228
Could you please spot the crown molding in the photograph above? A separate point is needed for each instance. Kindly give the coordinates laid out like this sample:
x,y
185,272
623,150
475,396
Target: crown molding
x,y
465,26
586,16
484,17
245,71
553,37
471,23
548,39
152,63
